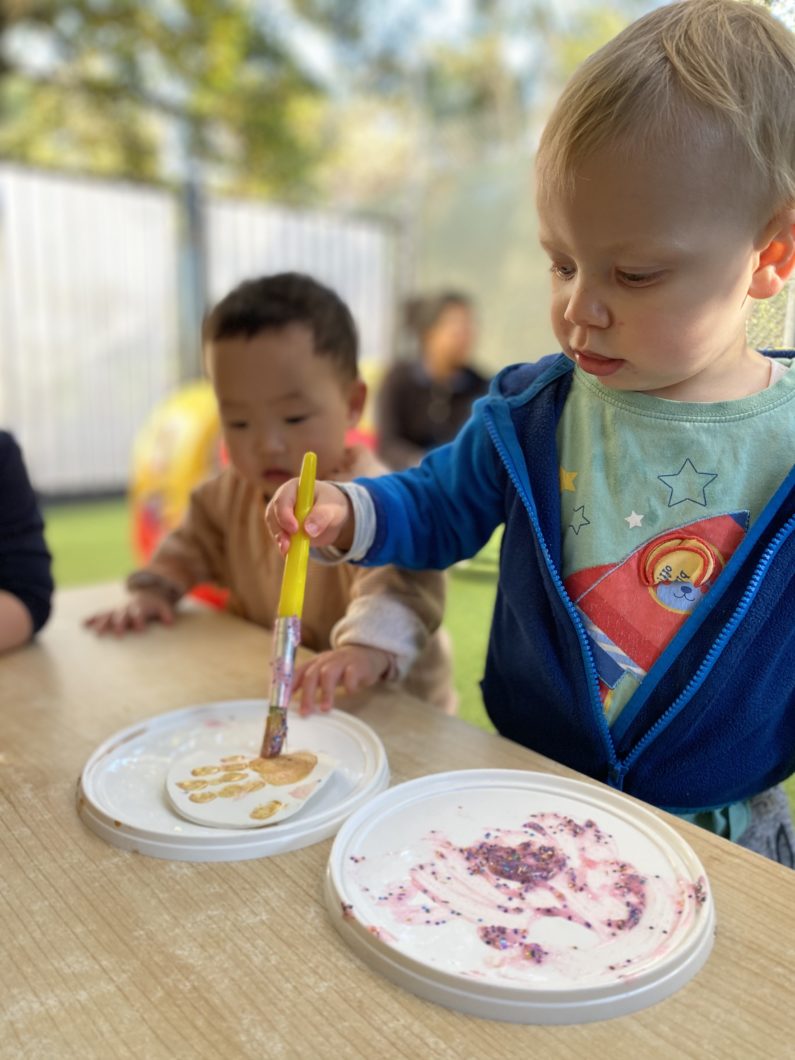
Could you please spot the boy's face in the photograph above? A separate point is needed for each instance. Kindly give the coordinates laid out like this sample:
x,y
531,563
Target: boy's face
x,y
651,265
277,399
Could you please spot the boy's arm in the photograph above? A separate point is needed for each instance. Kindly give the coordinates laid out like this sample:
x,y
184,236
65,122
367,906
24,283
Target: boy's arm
x,y
189,554
389,619
184,558
428,517
393,610
443,511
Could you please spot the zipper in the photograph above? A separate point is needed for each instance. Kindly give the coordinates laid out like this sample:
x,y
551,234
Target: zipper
x,y
617,768
718,645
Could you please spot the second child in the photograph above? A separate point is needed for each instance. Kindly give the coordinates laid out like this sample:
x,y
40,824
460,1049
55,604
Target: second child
x,y
282,357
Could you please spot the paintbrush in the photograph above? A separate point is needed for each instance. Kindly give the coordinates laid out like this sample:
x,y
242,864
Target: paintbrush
x,y
287,628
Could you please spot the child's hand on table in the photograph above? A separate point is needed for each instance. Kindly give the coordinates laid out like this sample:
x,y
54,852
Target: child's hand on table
x,y
144,606
351,668
330,522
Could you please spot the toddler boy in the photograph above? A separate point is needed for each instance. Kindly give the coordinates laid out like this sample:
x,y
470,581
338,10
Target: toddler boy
x,y
282,356
644,628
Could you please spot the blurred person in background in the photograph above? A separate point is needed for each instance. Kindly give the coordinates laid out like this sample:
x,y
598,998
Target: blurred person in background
x,y
26,584
424,401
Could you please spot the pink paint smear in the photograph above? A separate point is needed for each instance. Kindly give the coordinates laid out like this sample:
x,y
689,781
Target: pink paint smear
x,y
554,894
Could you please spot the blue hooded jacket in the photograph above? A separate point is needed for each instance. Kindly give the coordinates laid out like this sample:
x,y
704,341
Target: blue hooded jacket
x,y
713,721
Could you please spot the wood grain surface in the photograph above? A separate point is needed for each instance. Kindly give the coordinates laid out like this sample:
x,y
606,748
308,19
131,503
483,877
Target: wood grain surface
x,y
111,954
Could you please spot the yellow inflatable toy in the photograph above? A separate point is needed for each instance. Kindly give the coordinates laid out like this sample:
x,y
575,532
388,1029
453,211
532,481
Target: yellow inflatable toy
x,y
178,447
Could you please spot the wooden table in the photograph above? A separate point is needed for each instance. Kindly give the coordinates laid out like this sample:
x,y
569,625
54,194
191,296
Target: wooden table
x,y
110,954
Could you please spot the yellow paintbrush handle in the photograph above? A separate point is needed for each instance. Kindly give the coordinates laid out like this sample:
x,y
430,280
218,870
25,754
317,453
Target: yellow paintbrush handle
x,y
291,598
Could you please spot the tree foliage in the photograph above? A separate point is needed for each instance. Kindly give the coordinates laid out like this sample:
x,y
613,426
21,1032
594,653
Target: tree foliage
x,y
148,88
137,88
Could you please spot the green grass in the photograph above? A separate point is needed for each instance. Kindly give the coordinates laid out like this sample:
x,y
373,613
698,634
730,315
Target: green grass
x,y
91,543
470,602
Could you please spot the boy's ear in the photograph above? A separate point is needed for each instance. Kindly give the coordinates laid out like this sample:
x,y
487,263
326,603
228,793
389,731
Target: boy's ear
x,y
776,260
357,395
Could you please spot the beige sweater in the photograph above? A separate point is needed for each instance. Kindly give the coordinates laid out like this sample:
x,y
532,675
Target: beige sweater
x,y
223,539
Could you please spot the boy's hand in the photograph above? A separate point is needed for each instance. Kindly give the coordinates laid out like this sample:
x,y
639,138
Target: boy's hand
x,y
330,521
351,668
142,608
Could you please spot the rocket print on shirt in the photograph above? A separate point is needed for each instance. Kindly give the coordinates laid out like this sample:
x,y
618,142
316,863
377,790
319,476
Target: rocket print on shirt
x,y
632,609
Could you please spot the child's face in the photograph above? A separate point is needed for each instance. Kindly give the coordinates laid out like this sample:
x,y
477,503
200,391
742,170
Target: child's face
x,y
277,399
450,340
651,265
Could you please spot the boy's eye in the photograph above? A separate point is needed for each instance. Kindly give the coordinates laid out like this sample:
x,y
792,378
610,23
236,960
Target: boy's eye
x,y
562,272
638,279
237,425
295,419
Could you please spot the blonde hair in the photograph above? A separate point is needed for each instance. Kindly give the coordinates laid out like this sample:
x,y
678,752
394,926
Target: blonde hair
x,y
690,75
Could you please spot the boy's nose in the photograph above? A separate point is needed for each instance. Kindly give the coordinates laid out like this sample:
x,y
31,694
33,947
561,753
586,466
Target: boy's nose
x,y
270,443
585,308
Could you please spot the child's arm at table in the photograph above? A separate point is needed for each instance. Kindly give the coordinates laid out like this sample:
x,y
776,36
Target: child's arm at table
x,y
389,621
186,557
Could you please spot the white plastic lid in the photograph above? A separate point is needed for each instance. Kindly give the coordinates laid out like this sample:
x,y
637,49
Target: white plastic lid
x,y
122,790
520,896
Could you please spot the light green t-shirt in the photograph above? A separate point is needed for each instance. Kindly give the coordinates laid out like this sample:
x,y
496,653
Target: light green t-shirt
x,y
655,497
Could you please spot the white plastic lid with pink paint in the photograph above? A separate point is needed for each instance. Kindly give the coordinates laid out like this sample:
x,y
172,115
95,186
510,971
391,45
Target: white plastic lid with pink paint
x,y
521,896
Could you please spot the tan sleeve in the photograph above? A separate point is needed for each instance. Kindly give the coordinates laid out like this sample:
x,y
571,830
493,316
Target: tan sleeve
x,y
390,608
395,610
193,552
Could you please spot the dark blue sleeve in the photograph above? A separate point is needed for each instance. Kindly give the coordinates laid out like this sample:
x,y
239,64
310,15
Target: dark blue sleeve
x,y
24,558
445,510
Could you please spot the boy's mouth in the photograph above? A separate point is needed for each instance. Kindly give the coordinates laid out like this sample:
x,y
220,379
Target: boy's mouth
x,y
595,363
277,475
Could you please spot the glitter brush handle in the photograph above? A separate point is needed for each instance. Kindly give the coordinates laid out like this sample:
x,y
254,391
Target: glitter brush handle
x,y
287,628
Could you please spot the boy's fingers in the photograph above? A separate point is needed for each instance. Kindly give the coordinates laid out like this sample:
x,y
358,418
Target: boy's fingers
x,y
298,676
329,679
309,685
352,678
319,520
164,614
281,510
102,623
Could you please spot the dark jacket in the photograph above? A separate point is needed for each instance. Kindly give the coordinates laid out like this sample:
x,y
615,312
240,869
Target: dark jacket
x,y
416,413
24,558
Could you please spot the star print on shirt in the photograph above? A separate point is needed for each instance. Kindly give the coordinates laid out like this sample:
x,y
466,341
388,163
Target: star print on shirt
x,y
578,523
633,519
688,484
567,480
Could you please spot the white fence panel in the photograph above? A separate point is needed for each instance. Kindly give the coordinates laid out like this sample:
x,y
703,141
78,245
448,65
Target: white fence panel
x,y
90,303
88,317
354,256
